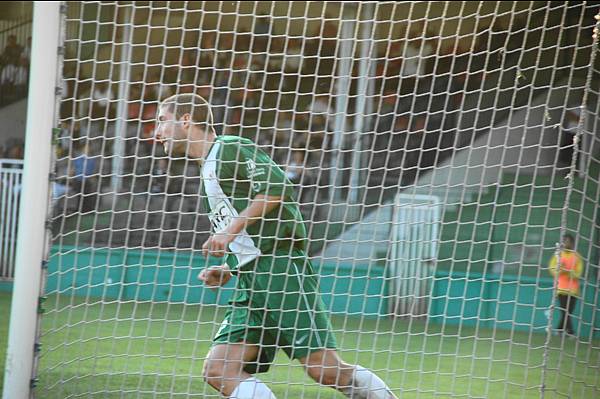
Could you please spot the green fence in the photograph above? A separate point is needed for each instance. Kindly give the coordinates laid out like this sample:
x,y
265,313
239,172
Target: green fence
x,y
517,224
474,299
171,277
507,302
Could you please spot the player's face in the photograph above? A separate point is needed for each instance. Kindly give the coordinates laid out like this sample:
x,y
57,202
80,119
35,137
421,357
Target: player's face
x,y
170,133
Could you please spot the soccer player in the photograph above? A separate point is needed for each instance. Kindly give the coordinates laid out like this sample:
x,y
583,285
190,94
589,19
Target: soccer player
x,y
258,230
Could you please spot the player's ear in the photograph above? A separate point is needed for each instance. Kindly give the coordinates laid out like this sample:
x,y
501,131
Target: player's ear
x,y
187,121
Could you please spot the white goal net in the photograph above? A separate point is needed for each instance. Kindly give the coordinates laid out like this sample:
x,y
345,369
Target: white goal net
x,y
438,153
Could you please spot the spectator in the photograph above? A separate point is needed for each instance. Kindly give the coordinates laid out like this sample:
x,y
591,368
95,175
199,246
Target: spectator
x,y
275,54
388,104
149,109
159,176
569,267
293,56
13,75
82,93
26,54
84,180
7,77
295,168
321,112
12,52
262,25
415,56
299,173
317,136
283,135
480,54
21,76
8,185
225,50
102,98
189,61
262,30
321,106
463,73
156,89
134,105
15,150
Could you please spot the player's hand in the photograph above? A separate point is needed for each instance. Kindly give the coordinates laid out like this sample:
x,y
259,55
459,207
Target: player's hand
x,y
215,276
217,244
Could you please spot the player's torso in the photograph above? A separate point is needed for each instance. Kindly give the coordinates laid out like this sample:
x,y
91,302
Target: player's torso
x,y
226,193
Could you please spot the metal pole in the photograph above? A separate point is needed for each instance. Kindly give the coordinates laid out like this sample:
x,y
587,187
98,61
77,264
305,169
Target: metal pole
x,y
121,123
31,239
366,44
368,123
342,89
585,148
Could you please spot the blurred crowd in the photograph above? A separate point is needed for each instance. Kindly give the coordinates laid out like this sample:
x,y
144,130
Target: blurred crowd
x,y
280,91
14,69
12,149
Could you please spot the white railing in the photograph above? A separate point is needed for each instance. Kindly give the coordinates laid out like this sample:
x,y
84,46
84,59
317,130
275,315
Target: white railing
x,y
11,175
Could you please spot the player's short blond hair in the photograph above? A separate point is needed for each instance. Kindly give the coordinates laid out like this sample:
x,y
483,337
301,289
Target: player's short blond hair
x,y
193,104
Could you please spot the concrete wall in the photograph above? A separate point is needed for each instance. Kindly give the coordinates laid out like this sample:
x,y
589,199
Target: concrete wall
x,y
527,142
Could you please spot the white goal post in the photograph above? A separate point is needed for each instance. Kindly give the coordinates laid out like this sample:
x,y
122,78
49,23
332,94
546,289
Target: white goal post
x,y
33,239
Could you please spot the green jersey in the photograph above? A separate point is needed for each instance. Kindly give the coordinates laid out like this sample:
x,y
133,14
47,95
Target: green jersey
x,y
235,172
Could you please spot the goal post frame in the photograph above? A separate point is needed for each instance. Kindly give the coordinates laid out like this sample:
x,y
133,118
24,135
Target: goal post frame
x,y
19,372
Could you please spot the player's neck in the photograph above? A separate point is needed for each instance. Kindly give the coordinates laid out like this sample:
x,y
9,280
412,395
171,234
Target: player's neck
x,y
200,149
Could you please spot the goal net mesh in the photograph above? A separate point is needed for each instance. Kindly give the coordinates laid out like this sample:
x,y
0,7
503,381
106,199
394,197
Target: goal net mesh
x,y
438,152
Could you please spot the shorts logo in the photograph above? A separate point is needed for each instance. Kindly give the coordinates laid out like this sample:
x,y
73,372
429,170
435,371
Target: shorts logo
x,y
252,170
301,340
223,326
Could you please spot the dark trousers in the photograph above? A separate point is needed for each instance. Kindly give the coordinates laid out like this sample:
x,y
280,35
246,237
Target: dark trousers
x,y
567,306
86,190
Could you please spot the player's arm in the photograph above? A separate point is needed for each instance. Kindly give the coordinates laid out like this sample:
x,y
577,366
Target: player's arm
x,y
216,245
260,206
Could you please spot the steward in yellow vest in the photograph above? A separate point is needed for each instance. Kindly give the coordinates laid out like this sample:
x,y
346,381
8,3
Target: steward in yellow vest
x,y
569,266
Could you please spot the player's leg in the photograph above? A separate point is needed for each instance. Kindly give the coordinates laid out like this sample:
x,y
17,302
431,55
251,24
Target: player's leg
x,y
237,354
224,366
326,368
305,332
224,371
356,382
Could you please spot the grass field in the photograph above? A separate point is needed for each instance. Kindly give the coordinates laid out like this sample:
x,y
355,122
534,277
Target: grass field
x,y
127,350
